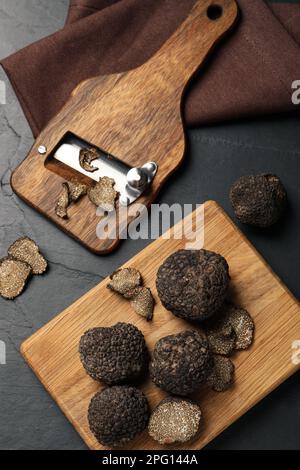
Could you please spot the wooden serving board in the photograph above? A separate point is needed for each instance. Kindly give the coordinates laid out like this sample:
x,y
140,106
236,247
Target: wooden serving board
x,y
53,355
134,116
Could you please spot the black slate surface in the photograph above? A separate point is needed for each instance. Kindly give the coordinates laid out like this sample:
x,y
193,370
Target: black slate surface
x,y
216,157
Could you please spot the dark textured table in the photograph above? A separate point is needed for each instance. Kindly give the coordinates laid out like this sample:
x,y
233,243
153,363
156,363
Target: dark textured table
x,y
216,157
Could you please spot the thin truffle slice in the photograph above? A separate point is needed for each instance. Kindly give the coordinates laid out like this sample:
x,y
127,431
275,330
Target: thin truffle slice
x,y
63,202
114,355
117,415
181,363
193,284
28,251
243,326
222,376
76,190
142,301
125,280
103,194
175,421
258,200
86,157
232,329
13,277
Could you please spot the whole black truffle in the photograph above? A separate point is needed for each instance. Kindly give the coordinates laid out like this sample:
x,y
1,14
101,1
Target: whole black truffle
x,y
258,200
193,284
117,415
181,363
114,355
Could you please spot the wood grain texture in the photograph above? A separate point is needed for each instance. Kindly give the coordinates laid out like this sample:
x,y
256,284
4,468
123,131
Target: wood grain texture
x,y
135,116
53,351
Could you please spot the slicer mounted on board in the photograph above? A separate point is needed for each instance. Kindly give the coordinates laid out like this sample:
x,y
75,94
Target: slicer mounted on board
x,y
132,119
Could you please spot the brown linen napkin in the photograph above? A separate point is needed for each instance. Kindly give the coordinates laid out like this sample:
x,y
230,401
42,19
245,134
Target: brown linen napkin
x,y
249,74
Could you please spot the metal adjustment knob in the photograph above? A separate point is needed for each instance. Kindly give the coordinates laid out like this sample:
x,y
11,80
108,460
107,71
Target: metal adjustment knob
x,y
137,178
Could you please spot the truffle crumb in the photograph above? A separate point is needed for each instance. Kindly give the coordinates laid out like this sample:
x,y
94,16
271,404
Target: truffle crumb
x,y
142,302
27,250
13,277
76,190
258,200
175,421
125,280
233,329
86,157
222,376
103,194
181,363
117,415
114,355
193,284
63,202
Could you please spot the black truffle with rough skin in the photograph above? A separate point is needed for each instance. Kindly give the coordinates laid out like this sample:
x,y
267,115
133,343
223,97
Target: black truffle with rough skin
x,y
258,200
114,355
193,284
181,363
117,415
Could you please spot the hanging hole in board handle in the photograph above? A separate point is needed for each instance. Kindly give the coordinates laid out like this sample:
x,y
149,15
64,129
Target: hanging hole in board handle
x,y
214,12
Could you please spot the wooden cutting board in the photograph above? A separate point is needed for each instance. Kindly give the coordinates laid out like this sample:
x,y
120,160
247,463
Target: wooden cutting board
x,y
52,352
135,116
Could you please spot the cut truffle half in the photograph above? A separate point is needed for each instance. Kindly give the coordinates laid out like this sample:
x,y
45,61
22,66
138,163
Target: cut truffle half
x,y
14,275
222,376
125,280
114,355
258,200
63,202
103,194
117,415
181,363
193,284
175,421
86,157
25,249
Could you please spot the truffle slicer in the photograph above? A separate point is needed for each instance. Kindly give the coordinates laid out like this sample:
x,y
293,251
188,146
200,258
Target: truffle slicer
x,y
134,120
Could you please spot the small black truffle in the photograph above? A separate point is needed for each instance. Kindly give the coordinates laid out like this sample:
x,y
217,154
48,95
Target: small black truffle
x,y
181,363
117,415
114,355
193,284
258,200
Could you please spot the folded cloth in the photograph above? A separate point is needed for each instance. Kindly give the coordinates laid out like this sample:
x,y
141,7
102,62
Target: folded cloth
x,y
249,74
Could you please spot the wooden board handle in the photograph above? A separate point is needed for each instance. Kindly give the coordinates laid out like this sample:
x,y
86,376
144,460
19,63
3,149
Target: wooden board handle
x,y
187,47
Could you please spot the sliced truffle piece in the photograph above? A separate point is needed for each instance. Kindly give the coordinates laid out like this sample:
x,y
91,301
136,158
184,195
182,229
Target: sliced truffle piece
x,y
114,355
175,421
222,376
76,190
193,284
63,202
181,363
27,250
220,335
142,302
117,415
258,200
13,277
125,280
243,326
86,157
103,194
232,329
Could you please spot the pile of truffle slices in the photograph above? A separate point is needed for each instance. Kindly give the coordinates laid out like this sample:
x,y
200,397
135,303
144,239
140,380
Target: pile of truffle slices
x,y
193,285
